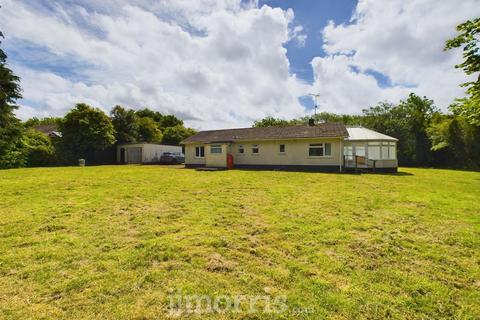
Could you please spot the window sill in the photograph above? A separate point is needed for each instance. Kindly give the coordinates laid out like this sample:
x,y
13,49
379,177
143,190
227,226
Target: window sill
x,y
255,154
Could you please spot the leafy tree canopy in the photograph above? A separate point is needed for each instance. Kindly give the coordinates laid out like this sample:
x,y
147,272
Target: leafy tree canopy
x,y
418,113
125,123
319,117
170,121
11,144
148,130
468,37
86,130
147,113
162,121
173,135
39,149
270,122
43,121
330,117
145,125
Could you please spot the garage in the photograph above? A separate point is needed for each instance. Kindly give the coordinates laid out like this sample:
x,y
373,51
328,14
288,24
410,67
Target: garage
x,y
134,155
143,152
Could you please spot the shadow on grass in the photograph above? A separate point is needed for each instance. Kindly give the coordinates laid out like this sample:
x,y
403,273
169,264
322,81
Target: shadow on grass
x,y
379,173
397,174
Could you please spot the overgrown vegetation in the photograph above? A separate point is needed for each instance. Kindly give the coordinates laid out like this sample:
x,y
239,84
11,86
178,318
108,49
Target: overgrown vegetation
x,y
114,242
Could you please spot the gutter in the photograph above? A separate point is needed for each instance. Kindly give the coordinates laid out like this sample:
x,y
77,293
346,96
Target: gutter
x,y
272,139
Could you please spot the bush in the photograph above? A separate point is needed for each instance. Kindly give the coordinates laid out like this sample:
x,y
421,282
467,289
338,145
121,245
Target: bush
x,y
39,149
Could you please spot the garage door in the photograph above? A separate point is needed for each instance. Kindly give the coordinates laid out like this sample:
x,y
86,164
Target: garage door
x,y
134,155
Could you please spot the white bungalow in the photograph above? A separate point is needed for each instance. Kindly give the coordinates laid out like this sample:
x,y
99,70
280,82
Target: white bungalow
x,y
313,147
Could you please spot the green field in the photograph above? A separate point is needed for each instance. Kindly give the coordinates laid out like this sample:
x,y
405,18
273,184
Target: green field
x,y
123,242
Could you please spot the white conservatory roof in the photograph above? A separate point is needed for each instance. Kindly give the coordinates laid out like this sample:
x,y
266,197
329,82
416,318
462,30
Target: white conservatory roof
x,y
361,133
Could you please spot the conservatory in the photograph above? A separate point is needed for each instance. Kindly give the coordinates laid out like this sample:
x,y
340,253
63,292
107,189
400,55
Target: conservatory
x,y
366,149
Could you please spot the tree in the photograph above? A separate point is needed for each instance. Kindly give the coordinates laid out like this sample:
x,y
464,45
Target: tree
x,y
270,122
170,121
147,113
388,119
148,130
454,141
471,138
330,117
468,37
439,138
40,150
419,112
408,122
125,123
162,121
85,130
173,135
11,144
43,121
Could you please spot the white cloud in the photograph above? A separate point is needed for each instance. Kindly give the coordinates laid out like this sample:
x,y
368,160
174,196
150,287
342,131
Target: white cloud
x,y
298,36
229,70
404,40
345,90
221,63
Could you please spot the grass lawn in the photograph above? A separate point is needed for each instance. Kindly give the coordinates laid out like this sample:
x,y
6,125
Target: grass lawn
x,y
117,242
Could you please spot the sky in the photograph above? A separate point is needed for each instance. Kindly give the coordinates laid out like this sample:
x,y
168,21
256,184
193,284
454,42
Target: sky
x,y
225,63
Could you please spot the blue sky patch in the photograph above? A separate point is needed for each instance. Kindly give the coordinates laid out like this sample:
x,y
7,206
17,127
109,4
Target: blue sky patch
x,y
313,16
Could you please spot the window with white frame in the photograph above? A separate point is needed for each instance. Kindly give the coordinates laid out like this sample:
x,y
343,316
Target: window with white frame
x,y
392,152
255,149
200,151
216,148
360,151
348,152
320,149
373,150
281,148
241,149
385,150
389,151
